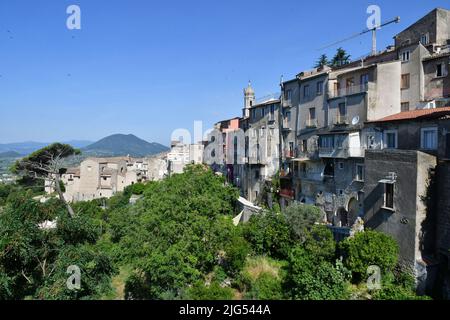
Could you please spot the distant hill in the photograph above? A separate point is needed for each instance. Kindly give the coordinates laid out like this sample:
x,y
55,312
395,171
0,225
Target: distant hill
x,y
25,148
10,154
123,145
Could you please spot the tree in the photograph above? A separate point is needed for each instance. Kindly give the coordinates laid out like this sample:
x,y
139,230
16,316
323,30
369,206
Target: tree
x,y
322,62
269,234
340,58
301,218
309,279
369,248
47,164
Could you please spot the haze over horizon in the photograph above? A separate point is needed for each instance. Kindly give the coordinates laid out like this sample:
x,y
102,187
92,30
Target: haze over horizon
x,y
146,68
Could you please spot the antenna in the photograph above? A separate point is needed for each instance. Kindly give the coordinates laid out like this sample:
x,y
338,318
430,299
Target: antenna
x,y
374,35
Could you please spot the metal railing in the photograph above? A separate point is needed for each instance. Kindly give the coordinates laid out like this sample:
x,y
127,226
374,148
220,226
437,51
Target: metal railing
x,y
341,119
311,123
356,89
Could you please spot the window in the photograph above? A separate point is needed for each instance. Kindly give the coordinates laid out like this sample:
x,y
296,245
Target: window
x,y
272,110
429,139
342,109
319,90
349,83
405,106
405,81
312,113
327,142
263,112
370,141
340,141
288,116
306,92
440,70
341,165
336,88
304,145
288,94
359,172
364,81
405,56
256,174
390,139
425,39
389,196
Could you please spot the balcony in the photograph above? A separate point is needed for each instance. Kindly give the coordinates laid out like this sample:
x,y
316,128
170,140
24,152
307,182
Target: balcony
x,y
289,154
311,123
287,103
332,152
310,154
348,91
341,120
286,126
287,193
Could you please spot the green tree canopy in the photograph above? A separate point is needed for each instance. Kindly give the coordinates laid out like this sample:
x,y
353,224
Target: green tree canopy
x,y
340,58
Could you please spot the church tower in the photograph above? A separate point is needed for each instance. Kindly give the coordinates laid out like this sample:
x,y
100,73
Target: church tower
x,y
249,100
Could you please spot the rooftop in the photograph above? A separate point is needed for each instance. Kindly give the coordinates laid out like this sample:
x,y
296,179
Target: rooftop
x,y
417,114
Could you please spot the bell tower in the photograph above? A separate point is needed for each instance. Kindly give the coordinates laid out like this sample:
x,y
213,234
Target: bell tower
x,y
249,100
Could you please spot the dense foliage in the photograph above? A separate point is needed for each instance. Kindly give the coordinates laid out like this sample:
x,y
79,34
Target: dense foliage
x,y
178,241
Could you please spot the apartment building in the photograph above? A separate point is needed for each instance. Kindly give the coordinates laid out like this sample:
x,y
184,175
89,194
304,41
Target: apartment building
x,y
323,162
262,143
405,170
246,149
182,155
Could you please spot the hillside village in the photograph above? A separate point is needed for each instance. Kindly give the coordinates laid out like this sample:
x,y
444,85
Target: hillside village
x,y
367,142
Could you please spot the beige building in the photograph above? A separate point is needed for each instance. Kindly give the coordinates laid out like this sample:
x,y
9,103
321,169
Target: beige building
x,y
182,154
103,177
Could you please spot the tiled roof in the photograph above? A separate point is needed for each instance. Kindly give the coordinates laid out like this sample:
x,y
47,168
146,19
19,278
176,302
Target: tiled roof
x,y
417,114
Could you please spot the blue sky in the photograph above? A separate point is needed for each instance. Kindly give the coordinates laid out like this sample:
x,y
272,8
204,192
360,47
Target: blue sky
x,y
149,67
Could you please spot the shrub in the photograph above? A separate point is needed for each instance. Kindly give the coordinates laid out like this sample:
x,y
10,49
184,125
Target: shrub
x,y
266,287
301,218
269,233
309,279
369,248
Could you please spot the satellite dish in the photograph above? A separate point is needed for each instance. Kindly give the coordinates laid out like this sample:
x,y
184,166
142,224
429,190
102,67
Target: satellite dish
x,y
355,120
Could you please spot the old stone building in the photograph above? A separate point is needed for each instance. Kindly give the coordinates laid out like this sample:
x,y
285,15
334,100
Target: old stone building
x,y
182,154
405,171
102,177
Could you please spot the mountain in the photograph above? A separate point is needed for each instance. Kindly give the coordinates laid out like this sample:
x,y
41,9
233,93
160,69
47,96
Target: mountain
x,y
123,145
25,148
10,154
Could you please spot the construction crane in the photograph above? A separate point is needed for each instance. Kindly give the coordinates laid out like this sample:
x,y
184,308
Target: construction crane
x,y
367,30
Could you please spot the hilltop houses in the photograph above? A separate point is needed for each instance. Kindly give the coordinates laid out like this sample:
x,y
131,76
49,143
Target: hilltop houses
x,y
364,140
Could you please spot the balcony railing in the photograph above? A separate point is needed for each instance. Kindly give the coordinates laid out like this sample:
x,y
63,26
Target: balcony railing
x,y
289,154
286,125
348,91
287,103
311,123
333,152
287,193
341,120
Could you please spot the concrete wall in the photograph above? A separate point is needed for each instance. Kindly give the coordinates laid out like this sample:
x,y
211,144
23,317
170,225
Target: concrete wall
x,y
415,93
405,223
387,96
427,24
436,87
317,101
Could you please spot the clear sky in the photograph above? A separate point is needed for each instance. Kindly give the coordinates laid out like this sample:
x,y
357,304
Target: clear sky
x,y
148,67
